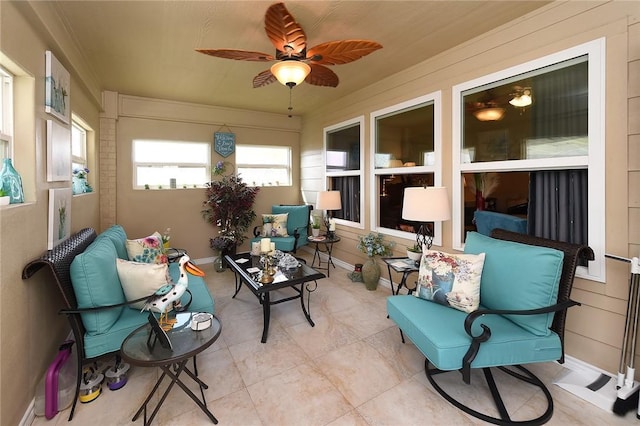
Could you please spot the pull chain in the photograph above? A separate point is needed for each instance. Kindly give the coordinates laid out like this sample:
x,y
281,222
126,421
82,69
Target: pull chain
x,y
290,107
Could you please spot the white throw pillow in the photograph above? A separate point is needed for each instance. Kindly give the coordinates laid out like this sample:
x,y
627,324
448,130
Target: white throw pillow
x,y
141,279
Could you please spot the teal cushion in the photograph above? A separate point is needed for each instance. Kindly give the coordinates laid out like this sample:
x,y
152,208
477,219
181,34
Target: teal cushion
x,y
518,276
438,332
95,281
487,221
298,220
119,238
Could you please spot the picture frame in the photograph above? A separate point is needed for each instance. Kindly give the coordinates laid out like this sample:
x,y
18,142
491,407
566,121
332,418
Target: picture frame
x,y
58,152
59,216
57,100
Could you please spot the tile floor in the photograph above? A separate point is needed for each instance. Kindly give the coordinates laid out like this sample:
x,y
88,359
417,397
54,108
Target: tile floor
x,y
350,369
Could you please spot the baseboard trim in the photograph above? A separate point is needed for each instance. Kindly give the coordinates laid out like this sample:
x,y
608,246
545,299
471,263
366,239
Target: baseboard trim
x,y
29,415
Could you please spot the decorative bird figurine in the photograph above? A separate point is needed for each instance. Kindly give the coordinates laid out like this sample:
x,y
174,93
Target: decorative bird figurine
x,y
168,296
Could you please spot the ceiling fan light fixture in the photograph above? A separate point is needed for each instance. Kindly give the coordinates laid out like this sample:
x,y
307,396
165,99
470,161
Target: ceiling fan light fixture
x,y
290,73
489,114
522,99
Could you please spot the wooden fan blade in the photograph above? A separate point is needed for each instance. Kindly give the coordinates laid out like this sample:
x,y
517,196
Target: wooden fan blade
x,y
322,76
240,55
341,52
263,79
285,33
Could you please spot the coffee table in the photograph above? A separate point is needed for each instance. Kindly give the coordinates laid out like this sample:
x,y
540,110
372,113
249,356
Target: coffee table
x,y
244,265
186,344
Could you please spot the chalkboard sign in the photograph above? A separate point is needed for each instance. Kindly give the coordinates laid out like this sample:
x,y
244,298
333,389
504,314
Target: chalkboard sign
x,y
224,143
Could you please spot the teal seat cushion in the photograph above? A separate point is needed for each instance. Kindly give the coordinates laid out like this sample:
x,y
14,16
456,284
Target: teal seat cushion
x,y
202,300
487,221
298,220
95,281
438,332
519,277
119,238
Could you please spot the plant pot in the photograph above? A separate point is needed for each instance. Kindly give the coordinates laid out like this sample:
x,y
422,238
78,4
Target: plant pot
x,y
414,256
315,231
371,274
4,201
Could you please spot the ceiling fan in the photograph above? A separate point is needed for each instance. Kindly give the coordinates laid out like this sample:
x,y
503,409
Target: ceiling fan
x,y
296,63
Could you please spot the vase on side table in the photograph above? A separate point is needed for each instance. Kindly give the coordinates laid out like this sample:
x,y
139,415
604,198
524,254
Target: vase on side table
x,y
371,274
218,264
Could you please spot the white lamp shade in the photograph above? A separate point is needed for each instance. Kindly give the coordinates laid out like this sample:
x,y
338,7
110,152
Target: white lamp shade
x,y
489,114
426,204
328,200
290,73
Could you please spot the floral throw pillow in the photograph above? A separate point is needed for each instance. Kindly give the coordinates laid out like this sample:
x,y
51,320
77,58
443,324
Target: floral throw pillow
x,y
147,250
278,226
451,280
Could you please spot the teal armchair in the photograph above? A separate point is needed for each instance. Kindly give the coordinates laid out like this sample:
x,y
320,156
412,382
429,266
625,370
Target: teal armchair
x,y
298,217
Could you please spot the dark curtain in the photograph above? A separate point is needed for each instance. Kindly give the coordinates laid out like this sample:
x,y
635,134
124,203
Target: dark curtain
x,y
558,205
349,187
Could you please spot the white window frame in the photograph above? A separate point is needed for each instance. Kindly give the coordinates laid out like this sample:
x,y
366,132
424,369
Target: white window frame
x,y
436,99
79,157
594,160
6,114
206,163
345,173
257,166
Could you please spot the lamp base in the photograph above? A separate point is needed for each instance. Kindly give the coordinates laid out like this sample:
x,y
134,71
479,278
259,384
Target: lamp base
x,y
424,236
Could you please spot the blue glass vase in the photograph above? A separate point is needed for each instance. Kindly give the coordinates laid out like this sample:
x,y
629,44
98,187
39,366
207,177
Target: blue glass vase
x,y
11,182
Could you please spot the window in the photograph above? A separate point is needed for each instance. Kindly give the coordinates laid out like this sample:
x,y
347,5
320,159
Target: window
x,y
6,114
261,165
159,164
78,146
343,168
406,151
529,131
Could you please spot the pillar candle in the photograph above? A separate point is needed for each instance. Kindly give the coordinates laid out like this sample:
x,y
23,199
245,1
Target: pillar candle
x,y
265,245
272,247
332,225
255,248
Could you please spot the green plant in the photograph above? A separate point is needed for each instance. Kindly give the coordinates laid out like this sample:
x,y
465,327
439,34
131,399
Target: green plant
x,y
268,219
3,193
315,222
374,245
415,248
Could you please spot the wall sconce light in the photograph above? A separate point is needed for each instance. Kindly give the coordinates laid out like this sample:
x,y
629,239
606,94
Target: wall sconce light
x,y
522,98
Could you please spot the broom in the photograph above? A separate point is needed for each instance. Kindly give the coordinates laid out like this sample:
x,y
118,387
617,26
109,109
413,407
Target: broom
x,y
627,398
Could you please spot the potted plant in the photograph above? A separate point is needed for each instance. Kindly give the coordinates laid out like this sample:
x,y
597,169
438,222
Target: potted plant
x,y
4,198
373,245
414,253
229,206
315,225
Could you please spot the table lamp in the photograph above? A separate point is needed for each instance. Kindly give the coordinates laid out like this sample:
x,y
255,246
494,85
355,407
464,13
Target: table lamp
x,y
426,204
329,200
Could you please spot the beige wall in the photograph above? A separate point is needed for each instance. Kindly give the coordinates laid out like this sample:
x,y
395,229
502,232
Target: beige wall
x,y
30,328
141,212
594,330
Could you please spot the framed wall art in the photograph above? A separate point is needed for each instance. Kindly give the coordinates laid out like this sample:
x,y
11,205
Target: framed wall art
x,y
57,100
58,152
59,216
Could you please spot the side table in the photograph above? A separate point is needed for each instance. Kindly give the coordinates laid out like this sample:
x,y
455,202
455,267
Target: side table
x,y
327,242
404,265
186,344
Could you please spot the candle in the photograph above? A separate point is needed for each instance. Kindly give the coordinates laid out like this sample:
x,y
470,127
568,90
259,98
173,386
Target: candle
x,y
265,245
273,248
255,248
332,225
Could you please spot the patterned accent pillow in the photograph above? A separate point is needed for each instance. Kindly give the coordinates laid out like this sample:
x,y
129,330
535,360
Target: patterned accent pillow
x,y
147,250
451,280
141,279
278,225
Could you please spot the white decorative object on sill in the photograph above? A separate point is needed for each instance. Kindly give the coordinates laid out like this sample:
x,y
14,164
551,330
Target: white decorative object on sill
x,y
4,201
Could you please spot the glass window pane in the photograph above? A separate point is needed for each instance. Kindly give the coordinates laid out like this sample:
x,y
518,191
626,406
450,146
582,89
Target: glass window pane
x,y
540,114
406,136
263,155
349,187
343,149
263,165
177,152
155,176
391,196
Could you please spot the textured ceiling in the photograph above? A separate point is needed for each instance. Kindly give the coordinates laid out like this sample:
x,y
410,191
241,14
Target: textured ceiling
x,y
146,48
